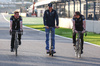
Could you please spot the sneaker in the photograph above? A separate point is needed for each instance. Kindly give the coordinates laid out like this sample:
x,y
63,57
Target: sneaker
x,y
54,51
19,42
74,44
12,50
47,51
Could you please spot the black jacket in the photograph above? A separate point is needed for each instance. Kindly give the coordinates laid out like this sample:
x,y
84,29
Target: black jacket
x,y
15,22
79,23
49,18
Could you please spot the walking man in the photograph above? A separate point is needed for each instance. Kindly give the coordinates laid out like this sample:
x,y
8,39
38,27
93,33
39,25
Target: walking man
x,y
49,18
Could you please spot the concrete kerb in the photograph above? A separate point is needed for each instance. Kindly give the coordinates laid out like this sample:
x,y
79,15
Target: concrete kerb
x,y
55,35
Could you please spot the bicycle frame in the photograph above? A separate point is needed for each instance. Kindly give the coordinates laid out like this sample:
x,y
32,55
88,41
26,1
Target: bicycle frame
x,y
78,45
16,41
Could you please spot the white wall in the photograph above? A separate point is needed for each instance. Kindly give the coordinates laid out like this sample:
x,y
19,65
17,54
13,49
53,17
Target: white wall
x,y
23,14
65,22
91,26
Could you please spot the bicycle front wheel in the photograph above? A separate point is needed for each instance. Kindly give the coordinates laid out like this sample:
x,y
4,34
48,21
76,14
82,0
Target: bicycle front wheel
x,y
16,51
79,53
16,47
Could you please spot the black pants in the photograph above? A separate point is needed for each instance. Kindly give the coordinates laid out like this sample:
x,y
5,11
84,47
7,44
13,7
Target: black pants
x,y
13,39
82,40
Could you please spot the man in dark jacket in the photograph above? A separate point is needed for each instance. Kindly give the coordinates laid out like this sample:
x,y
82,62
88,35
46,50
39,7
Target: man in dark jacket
x,y
49,18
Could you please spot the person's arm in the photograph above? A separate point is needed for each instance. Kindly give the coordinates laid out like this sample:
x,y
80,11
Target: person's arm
x,y
84,24
74,30
21,25
44,19
57,20
73,24
11,23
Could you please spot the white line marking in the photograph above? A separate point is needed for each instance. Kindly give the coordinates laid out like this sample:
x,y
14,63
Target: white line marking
x,y
5,17
55,35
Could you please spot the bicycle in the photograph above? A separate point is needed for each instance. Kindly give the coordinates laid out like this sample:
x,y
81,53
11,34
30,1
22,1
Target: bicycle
x,y
78,48
16,41
51,53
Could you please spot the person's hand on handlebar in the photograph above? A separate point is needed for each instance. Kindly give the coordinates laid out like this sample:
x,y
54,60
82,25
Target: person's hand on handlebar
x,y
47,27
83,31
57,27
10,30
21,30
75,31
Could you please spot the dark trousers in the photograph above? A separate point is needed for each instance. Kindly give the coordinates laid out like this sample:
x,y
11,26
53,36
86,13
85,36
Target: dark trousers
x,y
82,40
13,39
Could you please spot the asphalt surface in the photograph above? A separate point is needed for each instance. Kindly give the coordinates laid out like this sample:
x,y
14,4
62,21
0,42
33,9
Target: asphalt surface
x,y
32,51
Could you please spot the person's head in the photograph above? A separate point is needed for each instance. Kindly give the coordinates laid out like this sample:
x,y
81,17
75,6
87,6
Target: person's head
x,y
16,14
77,14
50,6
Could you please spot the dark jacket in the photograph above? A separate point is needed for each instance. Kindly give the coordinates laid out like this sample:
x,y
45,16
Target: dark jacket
x,y
79,23
49,18
15,22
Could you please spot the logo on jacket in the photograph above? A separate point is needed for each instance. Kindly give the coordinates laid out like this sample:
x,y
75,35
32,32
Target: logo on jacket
x,y
53,12
47,12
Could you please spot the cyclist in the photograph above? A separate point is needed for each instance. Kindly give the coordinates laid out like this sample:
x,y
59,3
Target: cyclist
x,y
79,24
15,24
49,18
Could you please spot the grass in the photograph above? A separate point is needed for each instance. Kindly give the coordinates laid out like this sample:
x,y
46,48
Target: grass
x,y
91,37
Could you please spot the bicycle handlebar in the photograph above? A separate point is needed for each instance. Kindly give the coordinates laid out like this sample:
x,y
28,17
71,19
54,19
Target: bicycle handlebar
x,y
81,32
50,27
15,31
19,32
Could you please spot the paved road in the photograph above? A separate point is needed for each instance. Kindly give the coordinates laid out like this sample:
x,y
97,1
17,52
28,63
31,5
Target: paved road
x,y
32,51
